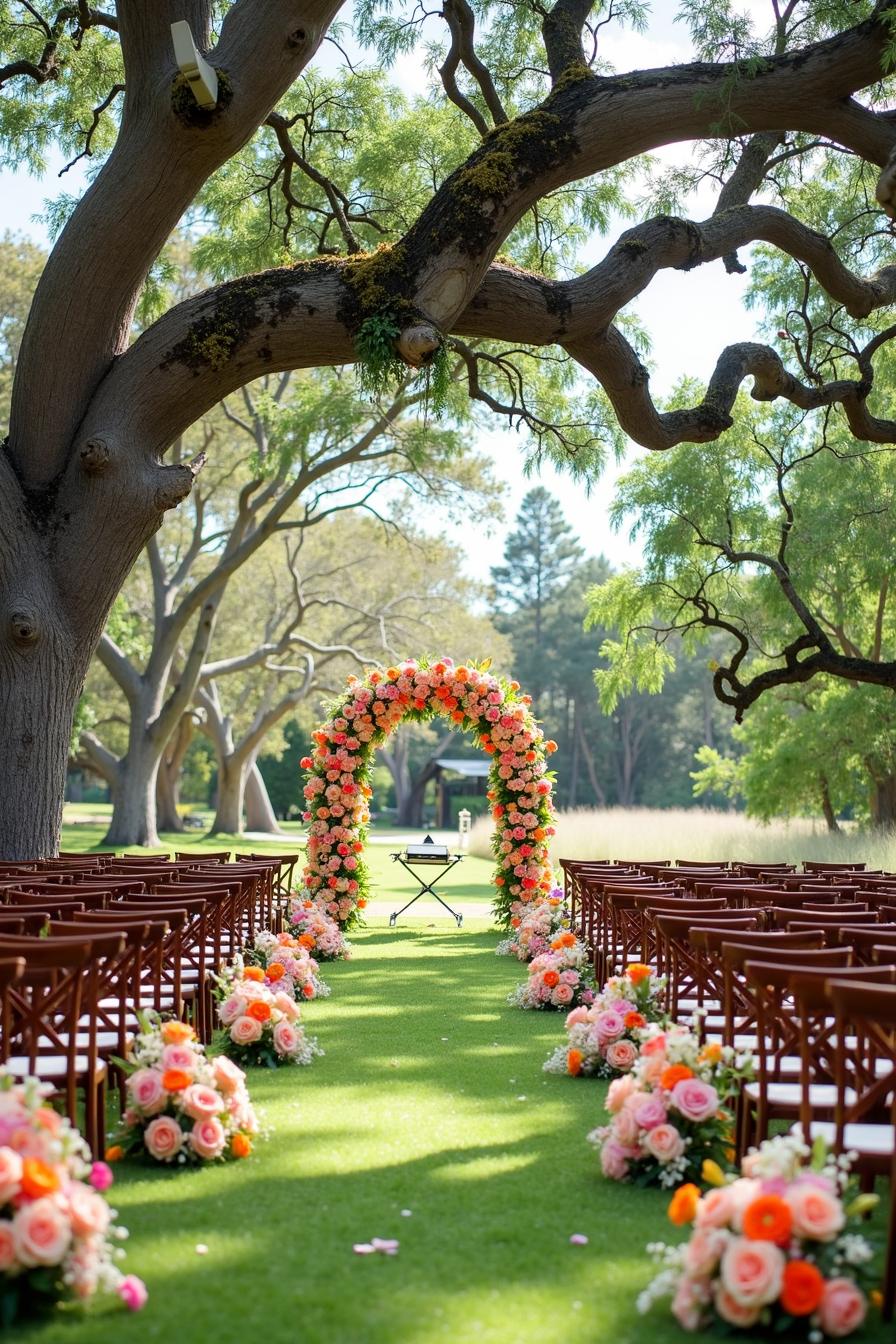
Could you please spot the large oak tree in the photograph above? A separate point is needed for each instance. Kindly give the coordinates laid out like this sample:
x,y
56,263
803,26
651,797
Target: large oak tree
x,y
85,482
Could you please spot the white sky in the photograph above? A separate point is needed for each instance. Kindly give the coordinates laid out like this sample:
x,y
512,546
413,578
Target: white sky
x,y
690,317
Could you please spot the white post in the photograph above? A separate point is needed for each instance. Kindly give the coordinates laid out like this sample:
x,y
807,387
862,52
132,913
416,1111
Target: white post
x,y
464,821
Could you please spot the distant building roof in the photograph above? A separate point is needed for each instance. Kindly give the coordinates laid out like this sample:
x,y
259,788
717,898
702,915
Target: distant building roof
x,y
473,769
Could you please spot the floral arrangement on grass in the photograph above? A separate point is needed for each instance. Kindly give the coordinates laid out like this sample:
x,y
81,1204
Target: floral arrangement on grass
x,y
318,932
287,965
261,1022
182,1106
558,978
604,1040
337,788
57,1231
775,1249
535,926
671,1112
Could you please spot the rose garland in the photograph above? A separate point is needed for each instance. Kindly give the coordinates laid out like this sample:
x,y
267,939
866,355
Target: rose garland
x,y
337,788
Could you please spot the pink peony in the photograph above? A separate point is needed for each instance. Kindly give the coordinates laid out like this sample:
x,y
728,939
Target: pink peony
x,y
207,1138
228,1076
7,1245
625,1127
245,1031
286,1038
88,1211
621,1055
101,1176
132,1292
817,1212
200,1102
10,1174
732,1311
231,1009
843,1308
650,1112
618,1093
751,1271
41,1233
704,1250
163,1138
695,1100
614,1159
146,1091
664,1143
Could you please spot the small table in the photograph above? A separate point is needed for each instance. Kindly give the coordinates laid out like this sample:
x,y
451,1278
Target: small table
x,y
427,854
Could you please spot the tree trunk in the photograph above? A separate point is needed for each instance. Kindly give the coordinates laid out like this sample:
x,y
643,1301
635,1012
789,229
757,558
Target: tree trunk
x,y
168,782
260,814
229,807
573,799
134,813
883,802
40,683
827,807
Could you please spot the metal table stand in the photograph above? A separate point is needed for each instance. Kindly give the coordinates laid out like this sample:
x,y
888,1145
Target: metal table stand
x,y
450,862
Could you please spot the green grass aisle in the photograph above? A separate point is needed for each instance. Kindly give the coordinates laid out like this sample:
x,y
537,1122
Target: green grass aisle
x,y
430,1098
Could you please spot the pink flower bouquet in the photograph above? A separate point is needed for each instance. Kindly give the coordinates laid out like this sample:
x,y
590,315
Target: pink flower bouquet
x,y
287,965
261,1023
604,1040
182,1106
670,1113
57,1231
558,978
535,926
769,1251
317,931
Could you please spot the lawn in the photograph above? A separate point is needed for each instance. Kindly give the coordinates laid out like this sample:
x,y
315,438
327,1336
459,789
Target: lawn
x,y
430,1098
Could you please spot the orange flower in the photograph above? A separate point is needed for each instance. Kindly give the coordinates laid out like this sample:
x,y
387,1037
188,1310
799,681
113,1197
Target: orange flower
x,y
633,1020
675,1073
115,1153
711,1053
38,1178
259,1010
802,1288
550,746
683,1206
361,902
253,973
306,939
275,971
574,1062
567,940
768,1218
551,978
175,1080
241,1145
308,991
176,1033
638,972
539,833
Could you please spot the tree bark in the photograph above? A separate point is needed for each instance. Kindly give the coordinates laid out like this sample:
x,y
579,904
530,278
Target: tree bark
x,y
168,781
883,802
229,807
259,812
134,817
827,807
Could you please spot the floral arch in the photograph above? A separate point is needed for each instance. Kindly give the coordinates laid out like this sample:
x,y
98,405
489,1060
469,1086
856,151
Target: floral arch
x,y
337,790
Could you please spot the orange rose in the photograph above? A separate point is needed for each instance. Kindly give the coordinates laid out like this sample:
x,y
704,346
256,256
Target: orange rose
x,y
361,903
307,939
275,971
259,1010
38,1179
253,973
175,1080
567,940
675,1073
768,1218
551,978
176,1033
241,1145
539,833
638,972
574,1062
683,1206
802,1288
115,1153
711,1053
634,1020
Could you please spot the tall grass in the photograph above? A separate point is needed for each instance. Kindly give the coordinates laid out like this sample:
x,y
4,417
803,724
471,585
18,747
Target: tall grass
x,y
700,833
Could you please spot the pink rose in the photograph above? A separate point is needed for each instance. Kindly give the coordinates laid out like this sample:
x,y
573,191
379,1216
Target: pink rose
x,y
562,994
652,1068
621,1055
695,1100
625,1126
228,1075
288,1006
614,1160
207,1139
10,1174
132,1292
200,1102
231,1009
178,1057
687,1304
732,1311
101,1176
163,1138
843,1308
817,1212
146,1091
286,1038
618,1093
610,1026
41,1233
7,1245
654,1045
704,1250
664,1143
650,1112
751,1271
577,1015
245,1031
88,1211
715,1208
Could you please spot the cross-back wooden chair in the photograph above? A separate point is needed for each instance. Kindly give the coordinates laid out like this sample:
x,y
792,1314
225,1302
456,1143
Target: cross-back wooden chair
x,y
689,974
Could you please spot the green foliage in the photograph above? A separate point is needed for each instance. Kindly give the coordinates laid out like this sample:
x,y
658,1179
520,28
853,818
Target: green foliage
x,y
379,369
